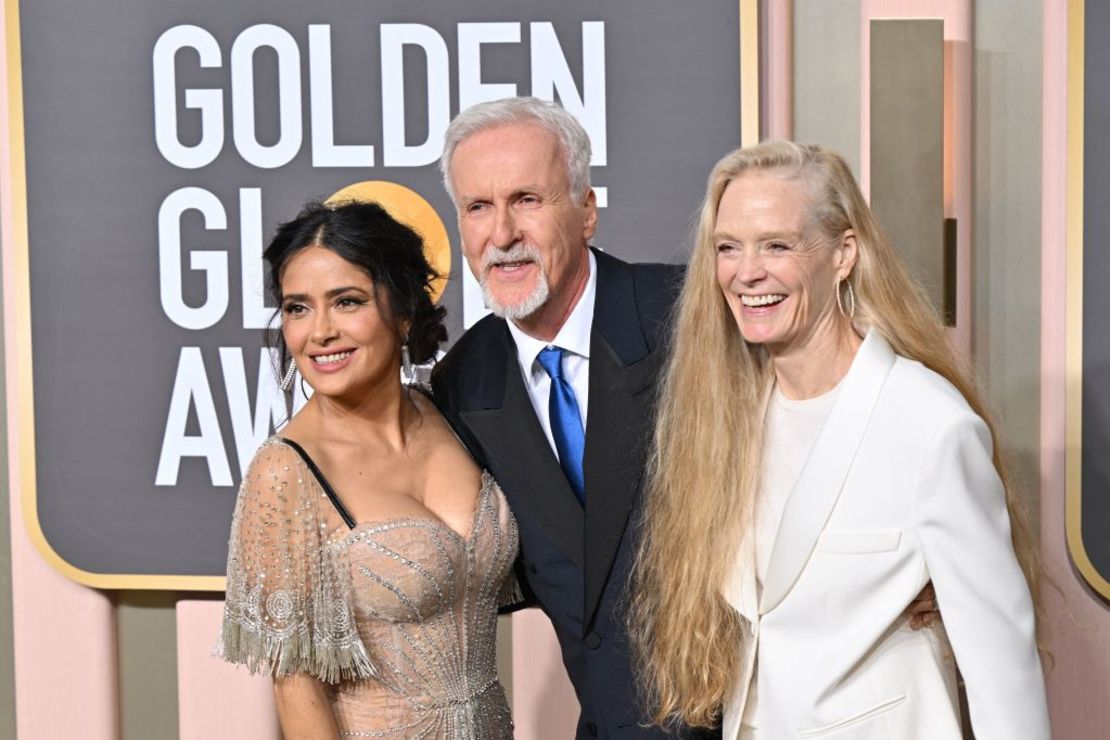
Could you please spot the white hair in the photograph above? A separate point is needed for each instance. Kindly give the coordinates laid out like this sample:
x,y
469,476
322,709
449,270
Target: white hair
x,y
573,139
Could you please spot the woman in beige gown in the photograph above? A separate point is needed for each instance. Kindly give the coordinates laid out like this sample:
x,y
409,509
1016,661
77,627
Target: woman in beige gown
x,y
368,554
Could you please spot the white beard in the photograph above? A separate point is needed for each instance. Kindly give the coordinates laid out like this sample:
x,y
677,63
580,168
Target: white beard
x,y
533,301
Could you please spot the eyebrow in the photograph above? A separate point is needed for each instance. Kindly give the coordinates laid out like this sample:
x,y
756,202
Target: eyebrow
x,y
516,193
330,294
784,235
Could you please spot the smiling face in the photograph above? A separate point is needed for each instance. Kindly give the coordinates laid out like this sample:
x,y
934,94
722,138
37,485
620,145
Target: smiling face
x,y
336,332
777,270
524,234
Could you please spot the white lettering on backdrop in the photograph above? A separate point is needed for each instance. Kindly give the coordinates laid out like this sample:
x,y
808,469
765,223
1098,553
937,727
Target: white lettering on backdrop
x,y
180,46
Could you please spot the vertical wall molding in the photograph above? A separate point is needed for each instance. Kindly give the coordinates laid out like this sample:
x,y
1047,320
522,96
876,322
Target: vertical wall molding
x,y
959,108
777,72
826,68
907,143
146,640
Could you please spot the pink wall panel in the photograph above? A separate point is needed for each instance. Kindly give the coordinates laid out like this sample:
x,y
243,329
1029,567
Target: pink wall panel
x,y
778,70
65,649
217,700
544,705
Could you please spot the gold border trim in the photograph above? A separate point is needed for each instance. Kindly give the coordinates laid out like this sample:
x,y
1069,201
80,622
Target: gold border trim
x,y
17,321
749,72
1073,445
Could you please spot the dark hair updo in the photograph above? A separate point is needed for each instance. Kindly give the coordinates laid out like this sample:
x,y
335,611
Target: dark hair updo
x,y
390,253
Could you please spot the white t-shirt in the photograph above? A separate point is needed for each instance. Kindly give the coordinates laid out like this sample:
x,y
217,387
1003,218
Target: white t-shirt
x,y
790,431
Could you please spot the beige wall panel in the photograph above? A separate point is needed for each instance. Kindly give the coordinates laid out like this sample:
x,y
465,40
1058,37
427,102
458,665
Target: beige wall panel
x,y
826,47
147,643
907,143
504,654
1006,263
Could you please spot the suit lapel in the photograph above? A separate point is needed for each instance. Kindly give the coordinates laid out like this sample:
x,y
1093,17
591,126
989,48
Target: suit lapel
x,y
618,430
498,412
520,457
818,486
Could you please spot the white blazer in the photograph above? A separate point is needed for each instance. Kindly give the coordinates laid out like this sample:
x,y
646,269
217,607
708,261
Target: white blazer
x,y
898,490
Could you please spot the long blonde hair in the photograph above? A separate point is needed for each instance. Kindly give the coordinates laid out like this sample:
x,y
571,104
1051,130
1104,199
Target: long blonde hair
x,y
704,471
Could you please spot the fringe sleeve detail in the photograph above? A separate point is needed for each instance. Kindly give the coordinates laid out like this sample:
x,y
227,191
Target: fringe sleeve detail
x,y
511,594
288,607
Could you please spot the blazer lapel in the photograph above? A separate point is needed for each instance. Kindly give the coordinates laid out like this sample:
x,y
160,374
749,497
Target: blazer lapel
x,y
818,486
618,430
740,589
521,457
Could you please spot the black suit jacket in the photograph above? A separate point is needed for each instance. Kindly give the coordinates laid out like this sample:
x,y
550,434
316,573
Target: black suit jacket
x,y
575,563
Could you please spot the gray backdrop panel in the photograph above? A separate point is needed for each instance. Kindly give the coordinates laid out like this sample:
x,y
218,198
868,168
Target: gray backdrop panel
x,y
1095,479
105,354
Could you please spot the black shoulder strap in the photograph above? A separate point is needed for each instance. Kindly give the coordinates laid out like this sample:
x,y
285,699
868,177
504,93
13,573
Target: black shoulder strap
x,y
347,518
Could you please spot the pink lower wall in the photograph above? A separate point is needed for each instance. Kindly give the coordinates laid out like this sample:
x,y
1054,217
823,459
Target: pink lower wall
x,y
544,705
216,700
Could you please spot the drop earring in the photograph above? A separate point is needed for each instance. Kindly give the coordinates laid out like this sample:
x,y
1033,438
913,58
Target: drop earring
x,y
851,299
287,379
408,371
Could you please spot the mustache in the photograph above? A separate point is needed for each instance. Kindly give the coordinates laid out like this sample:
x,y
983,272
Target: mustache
x,y
519,252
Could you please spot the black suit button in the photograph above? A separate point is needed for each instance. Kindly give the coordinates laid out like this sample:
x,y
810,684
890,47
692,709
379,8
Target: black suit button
x,y
590,726
593,641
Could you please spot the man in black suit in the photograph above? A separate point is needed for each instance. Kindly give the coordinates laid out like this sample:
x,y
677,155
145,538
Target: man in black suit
x,y
554,392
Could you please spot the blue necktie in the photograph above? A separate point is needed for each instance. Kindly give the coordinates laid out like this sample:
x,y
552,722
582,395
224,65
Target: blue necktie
x,y
566,422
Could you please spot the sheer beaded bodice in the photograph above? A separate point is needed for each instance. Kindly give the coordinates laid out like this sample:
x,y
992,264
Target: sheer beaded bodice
x,y
427,599
401,613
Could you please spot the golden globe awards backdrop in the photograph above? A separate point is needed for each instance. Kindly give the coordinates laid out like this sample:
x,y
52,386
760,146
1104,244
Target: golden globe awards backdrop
x,y
162,142
1088,471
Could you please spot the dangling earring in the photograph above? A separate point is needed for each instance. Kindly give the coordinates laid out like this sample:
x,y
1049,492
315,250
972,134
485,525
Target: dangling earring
x,y
287,380
408,372
851,312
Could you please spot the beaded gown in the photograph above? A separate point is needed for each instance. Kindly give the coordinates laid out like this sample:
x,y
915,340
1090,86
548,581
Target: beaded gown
x,y
397,617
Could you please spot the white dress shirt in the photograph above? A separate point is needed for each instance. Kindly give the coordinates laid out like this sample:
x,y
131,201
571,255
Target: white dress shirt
x,y
574,339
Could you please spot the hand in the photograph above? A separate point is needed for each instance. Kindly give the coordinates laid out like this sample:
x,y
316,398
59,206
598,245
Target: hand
x,y
923,611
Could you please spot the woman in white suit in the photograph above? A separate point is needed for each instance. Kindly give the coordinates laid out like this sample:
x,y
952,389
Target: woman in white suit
x,y
821,454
